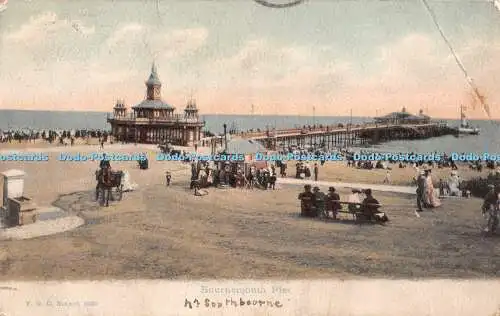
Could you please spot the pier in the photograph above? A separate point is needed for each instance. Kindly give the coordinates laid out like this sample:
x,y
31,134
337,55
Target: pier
x,y
349,135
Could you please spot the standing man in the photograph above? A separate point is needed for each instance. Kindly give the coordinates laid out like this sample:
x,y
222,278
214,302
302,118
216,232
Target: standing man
x,y
490,209
104,163
283,169
316,170
420,190
169,178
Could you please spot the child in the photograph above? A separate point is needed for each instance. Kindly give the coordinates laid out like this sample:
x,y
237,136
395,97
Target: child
x,y
169,177
387,178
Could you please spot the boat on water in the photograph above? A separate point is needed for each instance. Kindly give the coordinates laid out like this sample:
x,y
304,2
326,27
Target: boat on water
x,y
465,128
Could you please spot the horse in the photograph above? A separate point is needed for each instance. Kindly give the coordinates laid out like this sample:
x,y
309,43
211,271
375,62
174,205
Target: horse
x,y
106,181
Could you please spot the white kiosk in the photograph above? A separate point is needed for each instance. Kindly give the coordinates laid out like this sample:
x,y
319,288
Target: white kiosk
x,y
17,209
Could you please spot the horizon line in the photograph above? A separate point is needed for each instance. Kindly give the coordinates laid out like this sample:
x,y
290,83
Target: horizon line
x,y
239,114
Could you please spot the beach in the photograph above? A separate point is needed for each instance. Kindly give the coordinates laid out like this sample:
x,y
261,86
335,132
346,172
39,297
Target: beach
x,y
331,171
167,232
41,143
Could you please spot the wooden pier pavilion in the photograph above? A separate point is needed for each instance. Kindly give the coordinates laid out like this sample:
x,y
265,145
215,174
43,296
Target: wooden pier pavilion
x,y
154,121
350,135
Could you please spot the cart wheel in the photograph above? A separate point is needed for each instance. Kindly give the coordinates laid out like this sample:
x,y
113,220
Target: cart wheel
x,y
120,192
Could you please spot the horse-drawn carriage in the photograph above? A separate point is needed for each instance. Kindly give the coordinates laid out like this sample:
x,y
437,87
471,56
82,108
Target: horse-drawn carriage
x,y
107,180
168,149
165,148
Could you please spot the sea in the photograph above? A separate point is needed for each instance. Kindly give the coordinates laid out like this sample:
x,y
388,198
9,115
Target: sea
x,y
487,141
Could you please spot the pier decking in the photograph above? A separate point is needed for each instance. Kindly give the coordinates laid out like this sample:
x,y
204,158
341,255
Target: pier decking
x,y
343,136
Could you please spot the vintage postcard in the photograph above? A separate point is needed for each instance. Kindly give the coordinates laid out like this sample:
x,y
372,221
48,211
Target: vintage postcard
x,y
249,157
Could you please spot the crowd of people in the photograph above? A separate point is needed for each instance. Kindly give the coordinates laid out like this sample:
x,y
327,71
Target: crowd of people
x,y
446,161
237,175
62,137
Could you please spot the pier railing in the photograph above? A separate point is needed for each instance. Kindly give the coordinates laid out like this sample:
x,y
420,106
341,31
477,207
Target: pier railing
x,y
332,129
175,118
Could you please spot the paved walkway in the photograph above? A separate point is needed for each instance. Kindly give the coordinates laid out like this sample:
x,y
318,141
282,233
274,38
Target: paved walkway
x,y
374,187
51,220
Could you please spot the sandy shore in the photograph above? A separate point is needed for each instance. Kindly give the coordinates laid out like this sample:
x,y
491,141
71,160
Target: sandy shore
x,y
160,232
40,143
330,171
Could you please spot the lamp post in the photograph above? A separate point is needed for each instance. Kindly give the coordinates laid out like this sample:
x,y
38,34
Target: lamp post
x,y
225,136
314,116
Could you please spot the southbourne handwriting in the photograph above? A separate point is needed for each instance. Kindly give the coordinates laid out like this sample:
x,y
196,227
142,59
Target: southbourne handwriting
x,y
230,302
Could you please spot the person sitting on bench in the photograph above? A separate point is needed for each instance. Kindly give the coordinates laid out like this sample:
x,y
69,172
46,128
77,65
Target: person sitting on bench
x,y
370,208
319,203
306,201
355,199
332,202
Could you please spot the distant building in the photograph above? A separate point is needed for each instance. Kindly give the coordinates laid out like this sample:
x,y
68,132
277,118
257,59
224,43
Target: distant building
x,y
154,121
403,117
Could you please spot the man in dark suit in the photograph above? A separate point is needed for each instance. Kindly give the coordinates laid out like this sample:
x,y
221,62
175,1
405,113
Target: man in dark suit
x,y
370,207
332,202
420,190
306,201
104,163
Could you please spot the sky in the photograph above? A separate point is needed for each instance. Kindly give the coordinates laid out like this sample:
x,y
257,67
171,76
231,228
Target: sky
x,y
369,57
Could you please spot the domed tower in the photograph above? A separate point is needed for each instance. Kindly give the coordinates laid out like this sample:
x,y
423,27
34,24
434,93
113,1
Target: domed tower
x,y
153,85
421,112
191,111
120,110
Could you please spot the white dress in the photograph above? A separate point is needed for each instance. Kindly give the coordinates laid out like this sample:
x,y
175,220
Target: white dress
x,y
454,184
127,184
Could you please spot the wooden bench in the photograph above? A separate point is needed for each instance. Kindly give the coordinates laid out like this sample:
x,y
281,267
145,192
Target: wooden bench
x,y
355,214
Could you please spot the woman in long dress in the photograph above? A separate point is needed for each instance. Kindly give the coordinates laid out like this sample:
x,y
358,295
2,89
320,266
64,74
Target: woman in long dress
x,y
454,184
431,198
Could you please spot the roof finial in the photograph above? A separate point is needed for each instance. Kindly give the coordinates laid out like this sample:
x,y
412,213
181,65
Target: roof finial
x,y
153,68
153,77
